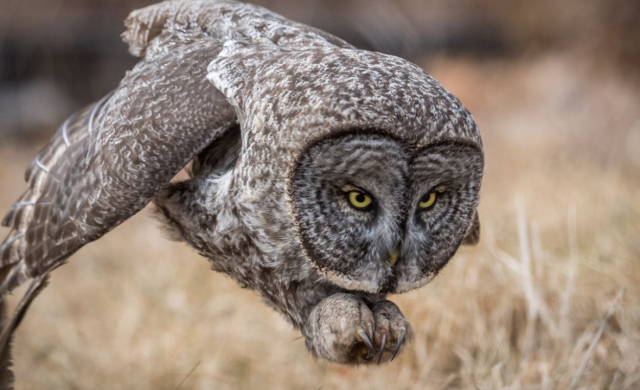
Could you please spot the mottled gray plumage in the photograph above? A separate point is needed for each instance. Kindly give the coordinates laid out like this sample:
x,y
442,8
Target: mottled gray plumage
x,y
281,121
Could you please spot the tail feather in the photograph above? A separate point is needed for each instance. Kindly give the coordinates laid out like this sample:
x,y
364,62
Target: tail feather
x,y
9,325
6,375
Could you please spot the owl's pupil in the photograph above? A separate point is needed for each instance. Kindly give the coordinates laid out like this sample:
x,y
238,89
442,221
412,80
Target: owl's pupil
x,y
360,198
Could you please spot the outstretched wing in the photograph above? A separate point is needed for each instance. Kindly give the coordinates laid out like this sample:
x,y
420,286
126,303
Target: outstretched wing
x,y
106,162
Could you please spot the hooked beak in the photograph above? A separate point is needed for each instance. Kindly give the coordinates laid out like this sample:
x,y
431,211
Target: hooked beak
x,y
393,257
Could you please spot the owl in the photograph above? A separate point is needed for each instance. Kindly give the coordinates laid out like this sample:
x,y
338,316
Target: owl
x,y
321,176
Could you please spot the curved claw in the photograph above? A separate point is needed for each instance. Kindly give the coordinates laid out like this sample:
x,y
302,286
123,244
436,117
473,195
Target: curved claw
x,y
365,339
370,354
384,341
401,334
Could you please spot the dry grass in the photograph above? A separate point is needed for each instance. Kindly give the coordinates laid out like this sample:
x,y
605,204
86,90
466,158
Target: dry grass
x,y
561,228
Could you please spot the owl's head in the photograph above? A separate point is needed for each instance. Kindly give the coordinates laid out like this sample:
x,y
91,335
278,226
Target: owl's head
x,y
382,165
379,215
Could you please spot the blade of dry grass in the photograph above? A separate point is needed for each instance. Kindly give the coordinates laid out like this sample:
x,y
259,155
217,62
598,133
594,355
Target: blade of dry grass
x,y
188,375
596,339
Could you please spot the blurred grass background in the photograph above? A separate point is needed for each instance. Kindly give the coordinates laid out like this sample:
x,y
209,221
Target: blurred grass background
x,y
555,89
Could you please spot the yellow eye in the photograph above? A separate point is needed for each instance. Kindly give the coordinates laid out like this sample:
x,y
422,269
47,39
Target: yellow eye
x,y
359,200
427,201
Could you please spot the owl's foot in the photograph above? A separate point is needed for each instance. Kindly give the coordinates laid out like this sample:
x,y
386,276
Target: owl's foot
x,y
344,329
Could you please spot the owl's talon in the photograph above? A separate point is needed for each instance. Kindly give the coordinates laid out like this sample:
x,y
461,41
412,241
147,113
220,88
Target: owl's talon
x,y
401,333
344,328
372,349
364,338
382,344
391,327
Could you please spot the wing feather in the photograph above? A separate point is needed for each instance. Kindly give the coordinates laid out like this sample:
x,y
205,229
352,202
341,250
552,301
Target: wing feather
x,y
220,19
107,161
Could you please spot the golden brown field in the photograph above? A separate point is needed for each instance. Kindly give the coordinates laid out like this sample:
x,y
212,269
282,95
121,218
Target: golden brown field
x,y
561,238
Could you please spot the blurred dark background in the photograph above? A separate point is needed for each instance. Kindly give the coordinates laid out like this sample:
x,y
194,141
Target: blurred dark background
x,y
58,55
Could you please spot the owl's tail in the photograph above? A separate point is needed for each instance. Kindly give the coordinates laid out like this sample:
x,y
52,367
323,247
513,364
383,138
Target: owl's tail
x,y
6,375
8,325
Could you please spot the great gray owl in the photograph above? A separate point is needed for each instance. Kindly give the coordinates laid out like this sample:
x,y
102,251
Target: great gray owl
x,y
323,176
